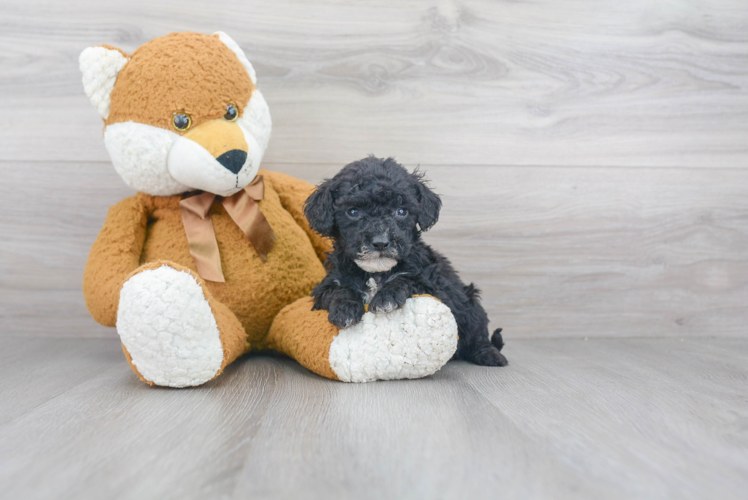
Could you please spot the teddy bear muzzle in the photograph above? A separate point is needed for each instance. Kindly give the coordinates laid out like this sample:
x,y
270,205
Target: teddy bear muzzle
x,y
213,157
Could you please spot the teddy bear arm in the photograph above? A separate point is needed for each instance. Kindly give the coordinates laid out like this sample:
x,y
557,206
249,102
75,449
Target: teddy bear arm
x,y
114,255
293,193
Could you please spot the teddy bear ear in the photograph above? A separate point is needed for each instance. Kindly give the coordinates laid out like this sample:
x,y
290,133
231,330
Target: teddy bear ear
x,y
100,66
231,44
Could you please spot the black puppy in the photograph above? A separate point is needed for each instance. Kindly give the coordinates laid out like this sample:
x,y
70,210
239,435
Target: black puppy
x,y
375,212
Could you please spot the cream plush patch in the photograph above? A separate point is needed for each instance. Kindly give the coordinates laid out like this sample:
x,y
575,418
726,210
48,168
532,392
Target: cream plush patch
x,y
411,342
100,67
256,122
191,164
167,326
160,162
139,153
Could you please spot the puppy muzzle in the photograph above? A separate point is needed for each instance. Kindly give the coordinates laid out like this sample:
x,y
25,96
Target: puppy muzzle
x,y
375,261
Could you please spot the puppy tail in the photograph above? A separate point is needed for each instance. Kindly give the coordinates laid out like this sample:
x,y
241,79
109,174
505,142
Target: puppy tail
x,y
497,340
472,292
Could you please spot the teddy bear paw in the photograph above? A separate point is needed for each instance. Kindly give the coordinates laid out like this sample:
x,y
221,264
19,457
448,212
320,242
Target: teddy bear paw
x,y
413,341
168,328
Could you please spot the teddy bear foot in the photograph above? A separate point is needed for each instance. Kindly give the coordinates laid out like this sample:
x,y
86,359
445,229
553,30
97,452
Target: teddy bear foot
x,y
168,329
411,342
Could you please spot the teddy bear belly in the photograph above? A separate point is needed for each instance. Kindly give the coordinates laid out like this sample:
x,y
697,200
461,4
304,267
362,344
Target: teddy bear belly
x,y
254,291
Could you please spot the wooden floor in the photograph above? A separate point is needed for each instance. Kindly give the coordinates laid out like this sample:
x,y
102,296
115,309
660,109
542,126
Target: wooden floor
x,y
569,418
592,157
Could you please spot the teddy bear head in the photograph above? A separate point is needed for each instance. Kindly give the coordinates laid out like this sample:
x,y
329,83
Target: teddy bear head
x,y
181,113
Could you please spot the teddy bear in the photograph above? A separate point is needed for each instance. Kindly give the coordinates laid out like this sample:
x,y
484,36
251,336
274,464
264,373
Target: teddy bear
x,y
212,257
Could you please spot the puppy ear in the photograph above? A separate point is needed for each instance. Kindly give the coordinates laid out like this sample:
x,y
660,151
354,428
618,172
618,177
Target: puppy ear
x,y
318,209
429,202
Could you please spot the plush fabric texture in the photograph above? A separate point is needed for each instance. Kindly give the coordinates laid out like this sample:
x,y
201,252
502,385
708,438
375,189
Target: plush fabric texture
x,y
148,228
139,154
245,212
410,342
256,121
218,137
161,162
290,192
191,164
168,328
232,335
231,44
304,335
128,358
113,257
160,79
178,329
100,66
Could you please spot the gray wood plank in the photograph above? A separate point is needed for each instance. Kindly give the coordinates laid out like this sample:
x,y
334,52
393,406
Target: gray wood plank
x,y
438,82
604,418
634,412
34,371
558,252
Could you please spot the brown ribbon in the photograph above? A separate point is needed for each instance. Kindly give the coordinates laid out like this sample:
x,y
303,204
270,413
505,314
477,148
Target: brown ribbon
x,y
244,211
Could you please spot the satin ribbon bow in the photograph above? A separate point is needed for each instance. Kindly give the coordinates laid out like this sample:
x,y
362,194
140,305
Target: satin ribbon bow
x,y
243,209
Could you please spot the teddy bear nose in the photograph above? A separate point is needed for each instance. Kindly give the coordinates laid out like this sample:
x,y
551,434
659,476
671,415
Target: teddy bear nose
x,y
233,160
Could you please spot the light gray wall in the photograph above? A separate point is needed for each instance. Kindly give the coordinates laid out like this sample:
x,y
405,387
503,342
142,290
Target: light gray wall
x,y
592,155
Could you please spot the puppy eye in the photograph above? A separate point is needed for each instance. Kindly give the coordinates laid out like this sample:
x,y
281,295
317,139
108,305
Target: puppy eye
x,y
231,113
353,212
181,121
401,212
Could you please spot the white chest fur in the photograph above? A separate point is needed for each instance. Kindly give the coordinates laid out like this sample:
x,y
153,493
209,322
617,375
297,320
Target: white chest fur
x,y
373,287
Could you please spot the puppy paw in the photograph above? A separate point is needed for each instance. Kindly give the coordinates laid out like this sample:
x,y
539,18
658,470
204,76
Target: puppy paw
x,y
487,355
345,313
388,299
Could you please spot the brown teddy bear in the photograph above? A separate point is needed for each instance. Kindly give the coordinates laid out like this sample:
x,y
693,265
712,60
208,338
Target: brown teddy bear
x,y
213,258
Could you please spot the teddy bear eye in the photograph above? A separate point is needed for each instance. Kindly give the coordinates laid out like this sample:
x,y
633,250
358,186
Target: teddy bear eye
x,y
401,212
231,113
181,122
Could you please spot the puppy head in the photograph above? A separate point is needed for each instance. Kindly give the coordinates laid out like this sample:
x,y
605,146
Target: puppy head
x,y
375,210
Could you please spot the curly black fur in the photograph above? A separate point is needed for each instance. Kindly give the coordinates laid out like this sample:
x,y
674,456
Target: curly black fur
x,y
375,212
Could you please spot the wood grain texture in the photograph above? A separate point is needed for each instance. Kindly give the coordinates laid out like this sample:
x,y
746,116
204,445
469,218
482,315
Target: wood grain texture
x,y
462,88
605,418
475,82
558,252
593,163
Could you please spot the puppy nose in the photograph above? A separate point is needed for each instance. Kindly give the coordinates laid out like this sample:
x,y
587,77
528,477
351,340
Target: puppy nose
x,y
380,242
